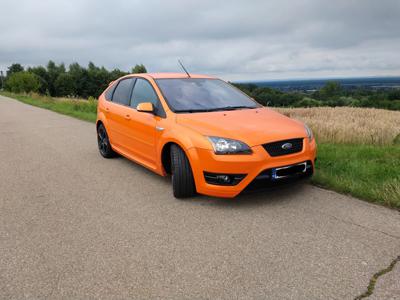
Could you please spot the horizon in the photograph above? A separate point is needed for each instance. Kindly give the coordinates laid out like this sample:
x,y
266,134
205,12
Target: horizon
x,y
323,78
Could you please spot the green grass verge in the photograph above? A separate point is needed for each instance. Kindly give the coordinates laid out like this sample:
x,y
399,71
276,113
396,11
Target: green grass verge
x,y
84,110
365,171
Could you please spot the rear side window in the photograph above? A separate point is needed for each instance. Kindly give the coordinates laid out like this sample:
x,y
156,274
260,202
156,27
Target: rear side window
x,y
109,92
122,92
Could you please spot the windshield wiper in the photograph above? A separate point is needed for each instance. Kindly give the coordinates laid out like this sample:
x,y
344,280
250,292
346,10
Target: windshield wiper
x,y
214,109
230,108
191,110
236,107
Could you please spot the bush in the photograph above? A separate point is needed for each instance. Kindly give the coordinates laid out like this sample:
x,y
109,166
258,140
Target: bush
x,y
308,102
22,82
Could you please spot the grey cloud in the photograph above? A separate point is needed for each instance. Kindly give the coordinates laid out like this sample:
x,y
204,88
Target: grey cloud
x,y
233,39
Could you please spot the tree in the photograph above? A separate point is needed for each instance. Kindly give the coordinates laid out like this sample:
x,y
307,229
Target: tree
x,y
1,80
53,72
65,85
139,69
14,68
43,76
116,73
23,82
330,90
98,80
80,77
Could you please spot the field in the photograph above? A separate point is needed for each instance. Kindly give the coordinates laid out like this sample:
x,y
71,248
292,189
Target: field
x,y
358,148
350,125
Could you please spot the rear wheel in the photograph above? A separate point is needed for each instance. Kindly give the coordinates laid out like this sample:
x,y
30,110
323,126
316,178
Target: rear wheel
x,y
104,143
182,176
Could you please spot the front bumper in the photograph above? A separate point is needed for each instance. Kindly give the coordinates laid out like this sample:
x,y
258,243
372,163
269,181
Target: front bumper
x,y
252,165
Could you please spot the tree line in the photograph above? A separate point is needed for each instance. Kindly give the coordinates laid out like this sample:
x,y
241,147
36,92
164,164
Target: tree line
x,y
331,94
56,80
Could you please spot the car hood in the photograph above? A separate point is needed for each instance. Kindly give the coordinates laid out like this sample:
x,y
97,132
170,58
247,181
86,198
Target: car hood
x,y
252,126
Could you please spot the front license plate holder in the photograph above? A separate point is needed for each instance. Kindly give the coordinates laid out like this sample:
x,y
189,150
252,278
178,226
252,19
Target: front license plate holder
x,y
288,171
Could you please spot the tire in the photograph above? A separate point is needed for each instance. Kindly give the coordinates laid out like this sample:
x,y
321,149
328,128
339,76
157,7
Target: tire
x,y
182,176
104,143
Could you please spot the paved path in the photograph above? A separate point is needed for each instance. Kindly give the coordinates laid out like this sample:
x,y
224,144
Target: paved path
x,y
75,225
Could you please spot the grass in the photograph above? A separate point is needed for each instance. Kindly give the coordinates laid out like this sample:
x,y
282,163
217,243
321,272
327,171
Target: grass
x,y
374,279
364,171
358,148
78,108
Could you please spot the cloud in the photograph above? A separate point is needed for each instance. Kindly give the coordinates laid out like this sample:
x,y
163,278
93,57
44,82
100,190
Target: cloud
x,y
234,39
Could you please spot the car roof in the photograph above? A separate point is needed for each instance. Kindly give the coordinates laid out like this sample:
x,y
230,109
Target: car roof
x,y
174,75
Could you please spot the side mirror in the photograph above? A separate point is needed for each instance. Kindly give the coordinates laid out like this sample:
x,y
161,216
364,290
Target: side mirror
x,y
145,107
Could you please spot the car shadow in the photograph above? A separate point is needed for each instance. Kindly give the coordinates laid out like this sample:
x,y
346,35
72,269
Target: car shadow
x,y
279,195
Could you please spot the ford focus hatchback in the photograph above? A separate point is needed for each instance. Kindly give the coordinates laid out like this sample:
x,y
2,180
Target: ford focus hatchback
x,y
209,136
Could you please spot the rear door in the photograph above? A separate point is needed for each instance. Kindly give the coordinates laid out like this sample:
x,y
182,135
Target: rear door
x,y
119,113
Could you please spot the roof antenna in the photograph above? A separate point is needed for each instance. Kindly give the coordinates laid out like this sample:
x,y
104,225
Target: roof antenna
x,y
184,68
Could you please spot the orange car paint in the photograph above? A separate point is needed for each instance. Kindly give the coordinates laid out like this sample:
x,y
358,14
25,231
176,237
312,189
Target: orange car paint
x,y
142,137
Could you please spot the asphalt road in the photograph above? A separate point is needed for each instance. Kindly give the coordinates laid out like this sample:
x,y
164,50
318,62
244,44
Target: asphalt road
x,y
75,225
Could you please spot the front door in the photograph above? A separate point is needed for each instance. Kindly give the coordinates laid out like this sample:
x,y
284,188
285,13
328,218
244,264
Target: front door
x,y
141,126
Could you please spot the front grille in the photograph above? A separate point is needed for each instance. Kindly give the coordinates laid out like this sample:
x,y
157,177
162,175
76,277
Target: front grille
x,y
278,148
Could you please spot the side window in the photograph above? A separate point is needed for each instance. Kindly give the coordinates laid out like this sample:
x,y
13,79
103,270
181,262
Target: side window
x,y
122,92
143,92
109,92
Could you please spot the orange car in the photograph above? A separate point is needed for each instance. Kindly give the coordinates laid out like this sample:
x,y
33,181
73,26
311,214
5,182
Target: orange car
x,y
212,138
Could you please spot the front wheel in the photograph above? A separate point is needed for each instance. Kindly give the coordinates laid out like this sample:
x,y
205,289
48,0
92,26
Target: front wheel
x,y
182,176
104,143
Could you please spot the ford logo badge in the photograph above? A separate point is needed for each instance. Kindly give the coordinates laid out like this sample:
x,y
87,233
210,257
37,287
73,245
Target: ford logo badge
x,y
287,146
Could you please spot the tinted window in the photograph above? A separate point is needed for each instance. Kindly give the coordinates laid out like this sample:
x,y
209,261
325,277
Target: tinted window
x,y
199,94
143,92
123,92
109,92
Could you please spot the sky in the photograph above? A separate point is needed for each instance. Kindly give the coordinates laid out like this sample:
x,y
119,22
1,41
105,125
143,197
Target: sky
x,y
235,40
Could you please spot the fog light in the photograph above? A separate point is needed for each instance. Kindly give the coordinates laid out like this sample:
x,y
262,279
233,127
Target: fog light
x,y
223,179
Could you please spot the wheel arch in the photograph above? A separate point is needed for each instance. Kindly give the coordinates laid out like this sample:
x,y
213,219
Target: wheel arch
x,y
166,154
98,123
186,139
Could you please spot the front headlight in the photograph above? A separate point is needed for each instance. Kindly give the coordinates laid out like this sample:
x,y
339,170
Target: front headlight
x,y
309,133
228,146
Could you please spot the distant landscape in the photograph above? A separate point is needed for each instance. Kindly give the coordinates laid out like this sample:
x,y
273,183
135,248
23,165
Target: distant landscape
x,y
76,81
311,85
377,92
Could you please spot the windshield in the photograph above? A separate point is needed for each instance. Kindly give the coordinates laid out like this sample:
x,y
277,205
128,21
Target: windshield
x,y
202,94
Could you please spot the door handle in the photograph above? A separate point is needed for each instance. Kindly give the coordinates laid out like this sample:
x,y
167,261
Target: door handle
x,y
107,110
127,117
